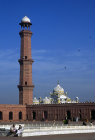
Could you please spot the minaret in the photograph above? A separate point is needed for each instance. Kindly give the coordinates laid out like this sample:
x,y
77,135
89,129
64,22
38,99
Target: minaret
x,y
25,84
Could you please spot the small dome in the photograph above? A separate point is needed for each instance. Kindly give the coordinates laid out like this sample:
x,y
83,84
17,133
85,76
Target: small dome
x,y
25,20
35,101
63,97
46,100
58,89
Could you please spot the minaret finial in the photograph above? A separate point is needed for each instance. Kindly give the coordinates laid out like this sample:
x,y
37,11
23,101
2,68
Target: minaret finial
x,y
25,22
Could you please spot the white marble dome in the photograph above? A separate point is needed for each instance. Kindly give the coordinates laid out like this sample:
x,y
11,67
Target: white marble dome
x,y
35,101
25,20
58,89
46,100
63,97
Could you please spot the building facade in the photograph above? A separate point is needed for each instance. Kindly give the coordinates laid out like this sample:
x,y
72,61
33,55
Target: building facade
x,y
57,96
59,112
12,113
59,107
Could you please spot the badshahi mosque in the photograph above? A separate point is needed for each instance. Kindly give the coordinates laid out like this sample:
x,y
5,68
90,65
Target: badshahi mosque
x,y
58,106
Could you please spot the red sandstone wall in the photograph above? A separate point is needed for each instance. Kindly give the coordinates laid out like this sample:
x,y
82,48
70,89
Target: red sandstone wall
x,y
58,112
6,108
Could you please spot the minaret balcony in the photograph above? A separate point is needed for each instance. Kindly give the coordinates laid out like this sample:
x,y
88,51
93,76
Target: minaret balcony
x,y
23,60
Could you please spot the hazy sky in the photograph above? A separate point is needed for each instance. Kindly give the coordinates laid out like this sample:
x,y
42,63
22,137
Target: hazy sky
x,y
63,47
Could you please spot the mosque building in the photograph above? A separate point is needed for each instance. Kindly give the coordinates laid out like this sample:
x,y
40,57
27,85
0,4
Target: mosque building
x,y
57,107
56,97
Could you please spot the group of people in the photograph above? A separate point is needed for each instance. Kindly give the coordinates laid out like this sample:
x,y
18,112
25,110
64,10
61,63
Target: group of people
x,y
16,132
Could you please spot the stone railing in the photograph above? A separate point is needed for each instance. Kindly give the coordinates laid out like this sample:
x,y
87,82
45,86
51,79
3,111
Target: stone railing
x,y
52,130
36,129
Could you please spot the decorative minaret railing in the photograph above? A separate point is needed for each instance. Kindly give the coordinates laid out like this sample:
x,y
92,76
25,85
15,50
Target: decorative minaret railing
x,y
25,84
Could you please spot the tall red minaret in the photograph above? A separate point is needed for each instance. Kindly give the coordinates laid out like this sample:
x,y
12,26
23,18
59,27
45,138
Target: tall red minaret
x,y
25,84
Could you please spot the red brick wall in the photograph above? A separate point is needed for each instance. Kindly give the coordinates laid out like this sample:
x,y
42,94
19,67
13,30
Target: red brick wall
x,y
6,108
58,112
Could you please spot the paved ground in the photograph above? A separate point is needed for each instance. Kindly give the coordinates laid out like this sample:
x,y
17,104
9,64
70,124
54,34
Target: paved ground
x,y
55,137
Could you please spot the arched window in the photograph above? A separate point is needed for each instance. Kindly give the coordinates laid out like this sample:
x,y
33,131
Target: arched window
x,y
1,116
45,115
92,114
10,115
20,115
34,115
25,82
80,115
25,57
68,115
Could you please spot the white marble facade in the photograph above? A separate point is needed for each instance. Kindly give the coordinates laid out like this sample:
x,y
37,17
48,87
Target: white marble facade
x,y
58,96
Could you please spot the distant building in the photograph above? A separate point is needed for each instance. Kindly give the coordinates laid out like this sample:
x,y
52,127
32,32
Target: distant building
x,y
57,107
56,97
